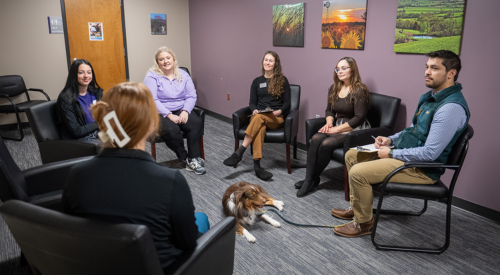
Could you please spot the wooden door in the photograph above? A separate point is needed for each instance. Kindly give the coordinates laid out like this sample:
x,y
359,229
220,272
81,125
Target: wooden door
x,y
107,56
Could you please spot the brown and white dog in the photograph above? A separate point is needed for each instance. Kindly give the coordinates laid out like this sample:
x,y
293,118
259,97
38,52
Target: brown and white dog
x,y
244,201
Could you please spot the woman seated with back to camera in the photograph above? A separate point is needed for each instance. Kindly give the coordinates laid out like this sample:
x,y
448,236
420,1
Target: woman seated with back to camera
x,y
348,102
175,97
270,90
124,184
73,104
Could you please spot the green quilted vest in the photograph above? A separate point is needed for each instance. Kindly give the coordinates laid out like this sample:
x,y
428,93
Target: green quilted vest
x,y
416,136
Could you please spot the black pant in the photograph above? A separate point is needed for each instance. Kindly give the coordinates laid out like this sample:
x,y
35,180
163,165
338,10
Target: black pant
x,y
171,133
320,153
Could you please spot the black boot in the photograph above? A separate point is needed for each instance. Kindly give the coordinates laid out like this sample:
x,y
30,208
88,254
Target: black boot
x,y
236,157
307,187
300,183
260,172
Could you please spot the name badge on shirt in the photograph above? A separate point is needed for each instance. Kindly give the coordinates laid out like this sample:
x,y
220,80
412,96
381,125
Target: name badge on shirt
x,y
263,85
93,101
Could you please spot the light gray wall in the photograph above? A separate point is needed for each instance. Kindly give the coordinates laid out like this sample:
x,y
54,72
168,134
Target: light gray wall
x,y
142,45
27,48
229,38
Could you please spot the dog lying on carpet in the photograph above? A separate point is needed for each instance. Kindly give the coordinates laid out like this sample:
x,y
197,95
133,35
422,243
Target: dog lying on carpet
x,y
244,201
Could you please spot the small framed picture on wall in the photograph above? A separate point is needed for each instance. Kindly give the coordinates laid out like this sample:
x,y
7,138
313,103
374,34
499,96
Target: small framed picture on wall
x,y
158,23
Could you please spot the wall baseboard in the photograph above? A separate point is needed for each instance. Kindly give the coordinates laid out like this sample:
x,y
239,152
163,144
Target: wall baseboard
x,y
458,202
13,126
477,209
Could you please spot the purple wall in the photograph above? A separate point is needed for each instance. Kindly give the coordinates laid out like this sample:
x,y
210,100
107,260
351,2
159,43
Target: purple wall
x,y
229,38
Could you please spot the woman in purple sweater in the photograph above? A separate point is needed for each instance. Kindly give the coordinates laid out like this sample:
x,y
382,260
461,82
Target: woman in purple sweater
x,y
175,97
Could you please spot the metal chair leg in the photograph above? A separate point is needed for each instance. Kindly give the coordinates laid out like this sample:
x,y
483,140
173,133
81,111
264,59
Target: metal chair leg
x,y
19,127
405,248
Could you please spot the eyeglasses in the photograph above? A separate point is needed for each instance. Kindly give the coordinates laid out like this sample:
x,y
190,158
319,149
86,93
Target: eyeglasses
x,y
338,69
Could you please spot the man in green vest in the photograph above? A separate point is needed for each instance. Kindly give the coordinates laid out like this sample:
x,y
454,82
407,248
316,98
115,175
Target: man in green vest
x,y
442,115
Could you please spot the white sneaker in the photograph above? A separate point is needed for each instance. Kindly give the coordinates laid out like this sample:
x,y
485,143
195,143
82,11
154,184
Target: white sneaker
x,y
193,165
201,161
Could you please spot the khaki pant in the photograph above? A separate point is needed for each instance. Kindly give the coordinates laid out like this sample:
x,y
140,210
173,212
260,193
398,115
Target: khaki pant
x,y
257,130
364,171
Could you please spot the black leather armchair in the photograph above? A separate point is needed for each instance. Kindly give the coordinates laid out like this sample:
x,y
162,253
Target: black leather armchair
x,y
436,192
199,112
382,117
286,134
56,243
43,118
41,185
13,86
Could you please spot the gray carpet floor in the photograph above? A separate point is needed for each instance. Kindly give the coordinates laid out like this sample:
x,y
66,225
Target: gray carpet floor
x,y
474,248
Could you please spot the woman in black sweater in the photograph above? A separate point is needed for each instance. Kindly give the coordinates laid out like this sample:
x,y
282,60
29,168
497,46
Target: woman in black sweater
x,y
348,102
124,184
270,91
74,102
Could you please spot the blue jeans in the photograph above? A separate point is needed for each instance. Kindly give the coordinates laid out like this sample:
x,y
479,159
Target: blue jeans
x,y
202,222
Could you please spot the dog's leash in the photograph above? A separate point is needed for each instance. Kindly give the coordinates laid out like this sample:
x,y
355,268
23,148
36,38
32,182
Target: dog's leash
x,y
298,224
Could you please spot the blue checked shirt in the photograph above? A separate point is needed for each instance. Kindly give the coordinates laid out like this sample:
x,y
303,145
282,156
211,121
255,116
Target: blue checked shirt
x,y
446,122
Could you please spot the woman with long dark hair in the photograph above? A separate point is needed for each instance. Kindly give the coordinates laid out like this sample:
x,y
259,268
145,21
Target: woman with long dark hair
x,y
348,102
73,104
270,91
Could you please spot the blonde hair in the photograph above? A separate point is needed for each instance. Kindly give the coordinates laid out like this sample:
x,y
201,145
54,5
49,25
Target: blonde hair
x,y
134,106
155,68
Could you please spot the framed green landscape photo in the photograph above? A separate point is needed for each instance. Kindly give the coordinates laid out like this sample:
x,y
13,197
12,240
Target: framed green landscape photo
x,y
423,26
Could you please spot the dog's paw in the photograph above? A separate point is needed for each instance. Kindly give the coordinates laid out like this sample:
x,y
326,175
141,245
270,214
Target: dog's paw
x,y
250,238
275,223
279,205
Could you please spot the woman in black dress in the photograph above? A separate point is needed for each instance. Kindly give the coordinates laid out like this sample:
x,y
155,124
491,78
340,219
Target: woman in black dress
x,y
348,102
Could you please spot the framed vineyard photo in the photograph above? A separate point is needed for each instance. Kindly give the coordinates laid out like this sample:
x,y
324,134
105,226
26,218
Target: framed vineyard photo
x,y
288,25
343,24
423,26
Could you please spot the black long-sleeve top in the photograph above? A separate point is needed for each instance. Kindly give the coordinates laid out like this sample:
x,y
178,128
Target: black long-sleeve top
x,y
128,186
260,98
347,111
71,117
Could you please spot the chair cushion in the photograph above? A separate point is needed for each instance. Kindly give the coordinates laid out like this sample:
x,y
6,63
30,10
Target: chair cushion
x,y
426,191
272,136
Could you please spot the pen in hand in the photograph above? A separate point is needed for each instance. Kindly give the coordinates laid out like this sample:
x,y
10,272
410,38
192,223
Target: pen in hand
x,y
380,143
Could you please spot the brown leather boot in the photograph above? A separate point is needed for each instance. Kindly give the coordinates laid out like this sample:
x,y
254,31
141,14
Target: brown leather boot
x,y
353,229
345,214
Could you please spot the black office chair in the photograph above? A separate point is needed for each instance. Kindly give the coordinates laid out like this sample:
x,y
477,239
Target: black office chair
x,y
41,185
56,243
436,192
382,117
13,86
286,134
43,118
199,112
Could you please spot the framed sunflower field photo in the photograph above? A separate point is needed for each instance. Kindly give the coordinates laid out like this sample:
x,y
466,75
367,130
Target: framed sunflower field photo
x,y
288,25
343,24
